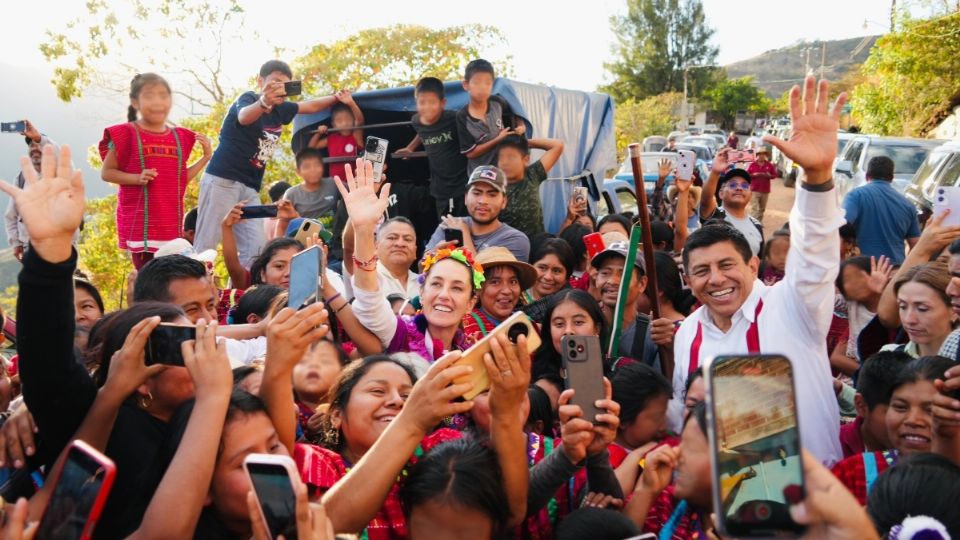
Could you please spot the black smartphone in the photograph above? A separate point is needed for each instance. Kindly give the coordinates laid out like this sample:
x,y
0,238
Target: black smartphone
x,y
163,345
305,277
13,127
293,88
755,445
79,494
450,235
272,478
258,211
583,372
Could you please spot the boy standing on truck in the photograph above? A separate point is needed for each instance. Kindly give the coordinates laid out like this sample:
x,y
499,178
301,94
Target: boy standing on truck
x,y
523,211
437,130
486,119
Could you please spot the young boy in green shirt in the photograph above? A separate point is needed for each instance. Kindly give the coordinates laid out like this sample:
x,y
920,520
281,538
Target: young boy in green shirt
x,y
523,211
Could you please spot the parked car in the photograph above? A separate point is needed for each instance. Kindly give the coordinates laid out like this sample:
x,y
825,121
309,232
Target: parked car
x,y
907,154
940,169
717,136
654,143
703,140
648,164
617,196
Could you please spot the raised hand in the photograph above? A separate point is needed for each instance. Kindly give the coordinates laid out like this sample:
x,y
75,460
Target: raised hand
x,y
51,203
813,138
32,132
664,168
290,332
206,360
659,469
880,272
286,210
235,216
345,97
936,236
720,161
662,330
363,205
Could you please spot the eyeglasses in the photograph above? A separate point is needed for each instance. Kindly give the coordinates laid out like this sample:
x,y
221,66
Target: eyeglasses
x,y
738,185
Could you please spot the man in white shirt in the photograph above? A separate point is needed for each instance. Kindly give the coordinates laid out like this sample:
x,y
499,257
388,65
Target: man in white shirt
x,y
740,314
397,249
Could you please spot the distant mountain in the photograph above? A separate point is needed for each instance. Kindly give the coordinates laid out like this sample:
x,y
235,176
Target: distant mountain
x,y
776,71
27,93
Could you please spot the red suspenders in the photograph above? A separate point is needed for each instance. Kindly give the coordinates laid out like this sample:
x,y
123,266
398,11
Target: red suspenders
x,y
753,340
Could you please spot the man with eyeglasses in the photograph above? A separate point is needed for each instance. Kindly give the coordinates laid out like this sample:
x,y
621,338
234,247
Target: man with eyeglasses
x,y
735,194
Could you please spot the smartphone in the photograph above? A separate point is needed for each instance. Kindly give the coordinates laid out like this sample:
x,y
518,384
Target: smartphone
x,y
516,325
594,243
258,211
450,235
686,162
583,371
79,493
293,88
580,194
741,156
274,480
305,277
948,198
163,345
308,228
375,151
755,445
13,127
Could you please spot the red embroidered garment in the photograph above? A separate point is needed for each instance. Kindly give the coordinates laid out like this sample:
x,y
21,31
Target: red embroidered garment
x,y
164,212
320,469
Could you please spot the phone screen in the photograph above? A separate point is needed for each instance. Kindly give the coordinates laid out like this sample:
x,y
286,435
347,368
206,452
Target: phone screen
x,y
756,444
304,278
258,211
13,127
163,345
73,498
277,499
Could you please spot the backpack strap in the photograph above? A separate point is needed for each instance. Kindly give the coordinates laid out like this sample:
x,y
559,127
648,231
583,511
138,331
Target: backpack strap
x,y
641,323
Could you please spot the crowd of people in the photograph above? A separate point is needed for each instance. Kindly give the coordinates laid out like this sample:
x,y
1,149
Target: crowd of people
x,y
363,388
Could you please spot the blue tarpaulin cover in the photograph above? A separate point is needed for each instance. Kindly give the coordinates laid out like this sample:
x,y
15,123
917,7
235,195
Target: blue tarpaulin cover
x,y
582,120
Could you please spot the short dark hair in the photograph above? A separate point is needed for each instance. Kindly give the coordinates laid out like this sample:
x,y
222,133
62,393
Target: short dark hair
x,y
517,142
540,408
711,234
190,220
255,301
877,376
920,485
339,107
478,66
277,189
91,289
619,219
558,247
308,153
153,280
274,66
880,168
431,85
596,524
461,472
635,385
847,232
271,249
396,219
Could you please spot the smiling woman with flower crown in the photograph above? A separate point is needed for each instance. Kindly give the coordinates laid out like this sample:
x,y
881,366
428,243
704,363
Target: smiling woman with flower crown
x,y
448,287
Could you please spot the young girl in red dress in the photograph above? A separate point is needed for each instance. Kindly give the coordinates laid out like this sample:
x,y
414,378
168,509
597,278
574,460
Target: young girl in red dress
x,y
148,160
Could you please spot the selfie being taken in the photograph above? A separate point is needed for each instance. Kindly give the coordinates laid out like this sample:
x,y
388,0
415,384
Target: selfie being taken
x,y
424,273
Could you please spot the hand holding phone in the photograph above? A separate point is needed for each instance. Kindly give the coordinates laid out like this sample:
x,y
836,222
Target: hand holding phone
x,y
686,162
164,344
80,491
258,211
305,277
275,480
583,372
19,126
741,156
515,325
375,151
293,88
453,235
594,244
947,198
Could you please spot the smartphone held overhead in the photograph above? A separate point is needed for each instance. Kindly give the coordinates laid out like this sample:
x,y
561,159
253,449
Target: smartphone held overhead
x,y
19,126
755,445
947,198
305,278
258,211
375,151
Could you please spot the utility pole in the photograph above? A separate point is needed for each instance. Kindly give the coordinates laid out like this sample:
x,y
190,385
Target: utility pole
x,y
685,120
823,57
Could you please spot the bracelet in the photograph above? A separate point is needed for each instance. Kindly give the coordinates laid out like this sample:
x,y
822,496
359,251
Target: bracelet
x,y
368,265
263,105
341,308
331,299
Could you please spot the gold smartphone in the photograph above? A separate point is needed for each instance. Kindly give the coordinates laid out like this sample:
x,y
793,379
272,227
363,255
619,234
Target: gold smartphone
x,y
516,325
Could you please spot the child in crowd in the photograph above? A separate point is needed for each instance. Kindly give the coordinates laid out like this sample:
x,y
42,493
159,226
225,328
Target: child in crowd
x,y
189,225
275,192
437,130
314,375
486,119
315,198
148,160
523,211
344,114
775,258
868,433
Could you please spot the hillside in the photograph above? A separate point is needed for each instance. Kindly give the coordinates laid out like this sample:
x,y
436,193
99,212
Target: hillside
x,y
776,71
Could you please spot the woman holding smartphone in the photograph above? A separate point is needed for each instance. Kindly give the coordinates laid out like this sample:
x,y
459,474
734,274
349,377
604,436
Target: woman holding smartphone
x,y
450,280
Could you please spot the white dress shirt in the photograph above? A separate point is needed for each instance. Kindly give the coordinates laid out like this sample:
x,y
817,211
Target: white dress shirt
x,y
794,322
391,285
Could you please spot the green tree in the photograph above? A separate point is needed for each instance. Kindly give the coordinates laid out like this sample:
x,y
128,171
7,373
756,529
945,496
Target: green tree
x,y
910,78
733,95
635,120
656,41
397,55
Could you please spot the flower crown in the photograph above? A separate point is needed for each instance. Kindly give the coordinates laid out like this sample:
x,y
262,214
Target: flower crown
x,y
465,256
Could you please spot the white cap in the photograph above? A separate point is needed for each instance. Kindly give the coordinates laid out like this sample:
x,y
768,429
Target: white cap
x,y
182,246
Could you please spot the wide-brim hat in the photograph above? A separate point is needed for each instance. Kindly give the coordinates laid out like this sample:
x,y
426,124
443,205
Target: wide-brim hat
x,y
182,246
694,190
501,256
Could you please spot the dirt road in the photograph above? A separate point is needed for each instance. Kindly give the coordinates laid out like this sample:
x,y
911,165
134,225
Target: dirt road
x,y
778,207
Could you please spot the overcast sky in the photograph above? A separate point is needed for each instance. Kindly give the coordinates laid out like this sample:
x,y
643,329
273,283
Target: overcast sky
x,y
558,42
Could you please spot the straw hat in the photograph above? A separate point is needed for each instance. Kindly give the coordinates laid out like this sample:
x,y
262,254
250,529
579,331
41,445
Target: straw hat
x,y
694,190
500,256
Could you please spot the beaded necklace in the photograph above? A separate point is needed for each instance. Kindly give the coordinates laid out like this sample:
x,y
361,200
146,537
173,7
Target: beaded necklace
x,y
146,194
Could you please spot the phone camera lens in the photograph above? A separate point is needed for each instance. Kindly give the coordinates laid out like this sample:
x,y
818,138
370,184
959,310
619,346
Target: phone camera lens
x,y
573,354
573,343
516,331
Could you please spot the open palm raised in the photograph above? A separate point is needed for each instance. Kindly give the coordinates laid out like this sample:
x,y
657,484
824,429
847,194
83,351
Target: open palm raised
x,y
813,138
363,204
51,203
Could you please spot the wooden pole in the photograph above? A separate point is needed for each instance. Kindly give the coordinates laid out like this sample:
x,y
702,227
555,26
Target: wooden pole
x,y
644,211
